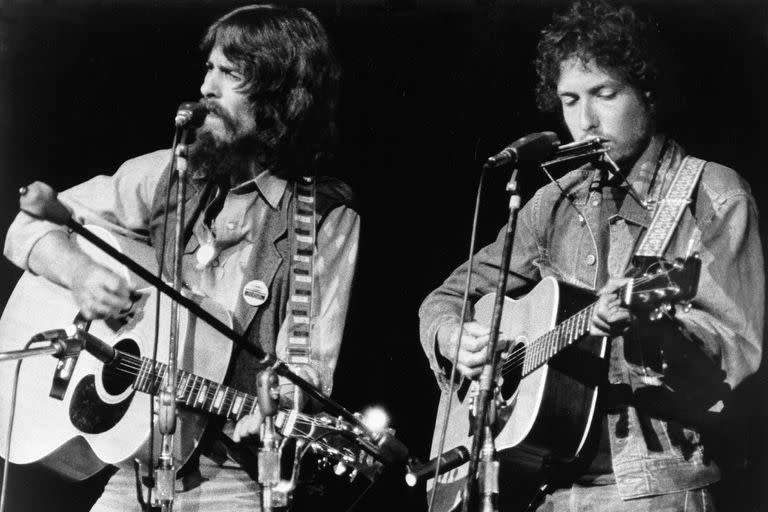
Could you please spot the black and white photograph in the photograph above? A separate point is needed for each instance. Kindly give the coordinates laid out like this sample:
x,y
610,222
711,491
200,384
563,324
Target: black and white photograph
x,y
376,255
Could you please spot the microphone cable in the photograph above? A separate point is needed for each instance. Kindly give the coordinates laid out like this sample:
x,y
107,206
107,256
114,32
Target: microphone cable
x,y
9,434
455,356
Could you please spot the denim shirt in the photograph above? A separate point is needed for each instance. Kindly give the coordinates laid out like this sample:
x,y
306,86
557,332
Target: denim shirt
x,y
662,380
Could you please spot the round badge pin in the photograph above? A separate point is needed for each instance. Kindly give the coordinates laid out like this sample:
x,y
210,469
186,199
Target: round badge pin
x,y
205,255
255,292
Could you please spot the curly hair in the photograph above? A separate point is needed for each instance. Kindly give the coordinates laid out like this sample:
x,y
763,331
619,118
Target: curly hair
x,y
292,80
616,38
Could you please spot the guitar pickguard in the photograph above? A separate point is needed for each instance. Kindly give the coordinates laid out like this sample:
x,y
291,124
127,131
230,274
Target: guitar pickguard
x,y
88,411
89,414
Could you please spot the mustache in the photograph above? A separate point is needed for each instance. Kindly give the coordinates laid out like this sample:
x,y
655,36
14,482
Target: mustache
x,y
217,110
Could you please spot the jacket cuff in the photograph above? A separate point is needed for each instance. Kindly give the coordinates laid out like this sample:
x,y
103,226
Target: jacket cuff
x,y
439,364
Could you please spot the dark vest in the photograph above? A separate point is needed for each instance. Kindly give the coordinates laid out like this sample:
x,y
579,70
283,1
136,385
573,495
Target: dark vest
x,y
269,261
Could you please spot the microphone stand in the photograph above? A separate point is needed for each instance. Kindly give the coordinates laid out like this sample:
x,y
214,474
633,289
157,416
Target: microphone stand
x,y
487,470
52,349
64,344
269,453
165,472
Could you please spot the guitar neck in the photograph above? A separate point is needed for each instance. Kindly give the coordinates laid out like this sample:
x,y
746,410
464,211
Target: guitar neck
x,y
215,398
543,348
192,390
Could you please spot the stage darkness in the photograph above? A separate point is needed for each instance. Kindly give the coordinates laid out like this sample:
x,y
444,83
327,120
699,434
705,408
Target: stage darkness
x,y
429,90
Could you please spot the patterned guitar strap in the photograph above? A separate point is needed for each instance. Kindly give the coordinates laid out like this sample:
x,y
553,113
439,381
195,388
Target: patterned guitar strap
x,y
302,253
668,213
670,209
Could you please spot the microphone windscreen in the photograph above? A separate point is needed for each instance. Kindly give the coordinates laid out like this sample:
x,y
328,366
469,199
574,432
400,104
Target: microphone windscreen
x,y
191,114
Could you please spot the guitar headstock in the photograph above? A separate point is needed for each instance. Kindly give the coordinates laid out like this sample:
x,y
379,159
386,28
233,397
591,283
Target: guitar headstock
x,y
662,284
346,447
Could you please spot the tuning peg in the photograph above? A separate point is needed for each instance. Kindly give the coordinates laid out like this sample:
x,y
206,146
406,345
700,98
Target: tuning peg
x,y
664,309
353,475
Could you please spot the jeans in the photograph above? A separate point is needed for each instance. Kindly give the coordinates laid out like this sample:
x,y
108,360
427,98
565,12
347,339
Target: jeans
x,y
224,488
605,498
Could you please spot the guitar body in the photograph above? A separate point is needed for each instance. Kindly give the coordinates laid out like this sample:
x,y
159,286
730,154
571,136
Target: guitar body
x,y
543,418
100,419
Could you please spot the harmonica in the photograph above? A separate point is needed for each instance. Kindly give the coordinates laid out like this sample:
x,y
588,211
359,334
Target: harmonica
x,y
586,150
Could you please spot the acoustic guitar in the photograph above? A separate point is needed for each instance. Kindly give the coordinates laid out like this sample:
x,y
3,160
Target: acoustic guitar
x,y
549,377
99,415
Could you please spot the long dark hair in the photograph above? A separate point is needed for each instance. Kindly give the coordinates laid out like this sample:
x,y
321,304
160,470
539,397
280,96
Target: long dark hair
x,y
291,78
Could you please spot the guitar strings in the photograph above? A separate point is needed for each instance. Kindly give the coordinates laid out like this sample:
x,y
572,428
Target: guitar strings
x,y
343,448
133,366
331,442
129,364
516,358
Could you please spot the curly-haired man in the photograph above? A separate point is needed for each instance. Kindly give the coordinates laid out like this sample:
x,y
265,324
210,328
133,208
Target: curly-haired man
x,y
599,65
270,89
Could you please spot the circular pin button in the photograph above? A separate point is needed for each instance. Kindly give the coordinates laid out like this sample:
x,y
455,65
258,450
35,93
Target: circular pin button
x,y
591,259
205,254
255,292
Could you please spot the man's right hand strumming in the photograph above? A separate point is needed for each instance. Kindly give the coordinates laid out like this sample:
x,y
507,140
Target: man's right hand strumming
x,y
472,347
97,291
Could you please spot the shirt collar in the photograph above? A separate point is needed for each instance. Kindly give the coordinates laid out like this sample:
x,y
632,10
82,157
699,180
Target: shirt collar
x,y
270,186
645,176
647,167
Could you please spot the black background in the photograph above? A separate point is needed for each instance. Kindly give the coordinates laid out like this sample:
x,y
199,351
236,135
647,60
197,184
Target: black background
x,y
429,89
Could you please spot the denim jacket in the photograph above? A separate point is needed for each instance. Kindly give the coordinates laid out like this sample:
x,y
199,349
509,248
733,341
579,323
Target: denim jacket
x,y
663,378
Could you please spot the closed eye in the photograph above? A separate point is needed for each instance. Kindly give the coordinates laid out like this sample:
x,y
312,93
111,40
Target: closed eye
x,y
607,93
568,100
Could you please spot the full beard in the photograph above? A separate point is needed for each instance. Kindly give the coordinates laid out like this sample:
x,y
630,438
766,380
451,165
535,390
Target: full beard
x,y
213,157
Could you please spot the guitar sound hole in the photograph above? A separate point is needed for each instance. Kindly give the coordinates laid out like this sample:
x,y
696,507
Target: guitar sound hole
x,y
121,375
513,370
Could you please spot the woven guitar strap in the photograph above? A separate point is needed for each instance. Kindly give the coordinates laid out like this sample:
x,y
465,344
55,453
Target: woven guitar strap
x,y
670,209
302,255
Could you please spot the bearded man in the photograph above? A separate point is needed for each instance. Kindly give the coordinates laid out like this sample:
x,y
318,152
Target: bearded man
x,y
270,90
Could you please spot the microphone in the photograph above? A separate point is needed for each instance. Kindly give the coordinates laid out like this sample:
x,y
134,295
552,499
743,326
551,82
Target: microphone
x,y
391,450
190,114
71,340
531,148
448,461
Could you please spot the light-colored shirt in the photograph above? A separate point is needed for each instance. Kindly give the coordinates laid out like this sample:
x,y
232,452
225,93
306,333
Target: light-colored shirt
x,y
122,203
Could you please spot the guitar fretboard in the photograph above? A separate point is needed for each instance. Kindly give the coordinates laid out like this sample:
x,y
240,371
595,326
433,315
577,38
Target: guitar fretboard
x,y
543,348
327,435
194,391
